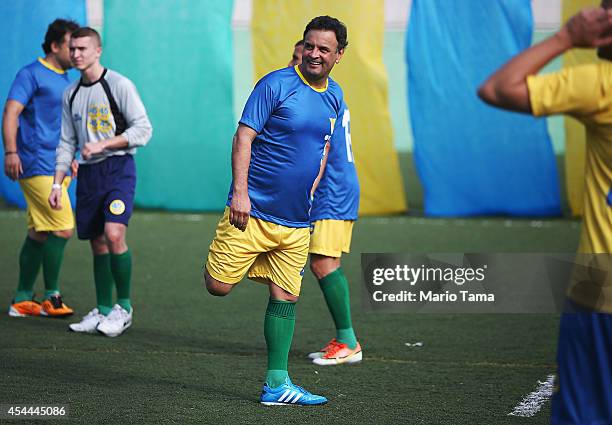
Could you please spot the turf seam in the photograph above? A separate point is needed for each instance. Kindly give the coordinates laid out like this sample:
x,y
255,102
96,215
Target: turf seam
x,y
204,354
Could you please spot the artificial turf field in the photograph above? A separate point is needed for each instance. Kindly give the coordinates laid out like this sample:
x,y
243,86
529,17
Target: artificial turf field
x,y
190,357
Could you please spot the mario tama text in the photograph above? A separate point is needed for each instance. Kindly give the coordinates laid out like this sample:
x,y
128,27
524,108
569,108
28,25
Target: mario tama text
x,y
465,283
423,275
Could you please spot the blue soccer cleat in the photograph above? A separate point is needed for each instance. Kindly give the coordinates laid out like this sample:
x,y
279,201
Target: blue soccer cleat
x,y
289,394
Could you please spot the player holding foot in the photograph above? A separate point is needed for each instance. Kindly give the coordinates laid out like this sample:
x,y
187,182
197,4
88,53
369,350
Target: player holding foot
x,y
276,157
31,129
584,354
103,116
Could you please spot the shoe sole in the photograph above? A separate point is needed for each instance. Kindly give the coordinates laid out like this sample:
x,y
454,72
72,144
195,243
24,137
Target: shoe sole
x,y
113,335
273,403
93,331
14,313
352,359
45,314
317,355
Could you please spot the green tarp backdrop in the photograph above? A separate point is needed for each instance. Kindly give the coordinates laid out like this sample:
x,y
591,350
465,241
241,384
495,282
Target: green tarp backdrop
x,y
178,53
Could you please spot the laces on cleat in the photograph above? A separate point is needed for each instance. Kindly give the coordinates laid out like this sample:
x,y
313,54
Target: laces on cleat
x,y
56,301
334,349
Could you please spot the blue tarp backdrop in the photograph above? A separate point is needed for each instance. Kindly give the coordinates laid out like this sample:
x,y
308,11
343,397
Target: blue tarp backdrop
x,y
473,159
25,23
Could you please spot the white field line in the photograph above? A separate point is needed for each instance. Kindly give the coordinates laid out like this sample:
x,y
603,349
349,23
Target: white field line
x,y
533,402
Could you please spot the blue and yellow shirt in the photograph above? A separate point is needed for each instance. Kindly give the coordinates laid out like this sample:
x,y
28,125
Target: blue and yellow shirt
x,y
293,121
39,87
585,93
337,196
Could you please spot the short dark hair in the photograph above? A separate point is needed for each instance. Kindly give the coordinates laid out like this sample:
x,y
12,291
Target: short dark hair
x,y
327,23
56,32
299,43
87,32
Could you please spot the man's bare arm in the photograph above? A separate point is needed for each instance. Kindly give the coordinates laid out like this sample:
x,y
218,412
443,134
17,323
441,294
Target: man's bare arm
x,y
240,207
10,124
507,87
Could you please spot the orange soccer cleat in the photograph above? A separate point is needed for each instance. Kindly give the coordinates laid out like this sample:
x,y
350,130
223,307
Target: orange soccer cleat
x,y
340,353
322,351
24,309
54,307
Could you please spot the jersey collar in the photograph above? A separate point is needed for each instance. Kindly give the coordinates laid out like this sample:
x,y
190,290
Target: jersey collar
x,y
297,70
51,67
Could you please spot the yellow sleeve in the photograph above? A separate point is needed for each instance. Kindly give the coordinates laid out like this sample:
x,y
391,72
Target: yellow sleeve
x,y
578,91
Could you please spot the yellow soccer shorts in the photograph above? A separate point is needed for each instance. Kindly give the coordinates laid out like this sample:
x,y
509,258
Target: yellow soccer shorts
x,y
41,217
331,237
266,252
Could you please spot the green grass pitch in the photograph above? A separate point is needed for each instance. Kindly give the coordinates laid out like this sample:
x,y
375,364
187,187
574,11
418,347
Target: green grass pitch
x,y
190,357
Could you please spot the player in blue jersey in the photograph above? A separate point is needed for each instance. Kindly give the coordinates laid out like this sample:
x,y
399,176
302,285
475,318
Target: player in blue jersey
x,y
30,130
334,211
276,157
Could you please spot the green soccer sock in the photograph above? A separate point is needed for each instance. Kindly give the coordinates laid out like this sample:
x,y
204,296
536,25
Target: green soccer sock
x,y
103,278
278,331
30,260
53,255
336,293
121,266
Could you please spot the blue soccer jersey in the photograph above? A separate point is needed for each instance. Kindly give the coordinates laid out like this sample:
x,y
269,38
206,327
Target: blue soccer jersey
x,y
337,196
293,121
39,87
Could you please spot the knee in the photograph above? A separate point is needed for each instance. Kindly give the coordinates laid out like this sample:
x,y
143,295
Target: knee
x,y
321,265
66,234
291,298
214,287
315,268
113,236
37,236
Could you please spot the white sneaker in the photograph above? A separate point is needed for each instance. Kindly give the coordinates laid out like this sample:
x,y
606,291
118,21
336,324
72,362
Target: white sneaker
x,y
89,323
117,321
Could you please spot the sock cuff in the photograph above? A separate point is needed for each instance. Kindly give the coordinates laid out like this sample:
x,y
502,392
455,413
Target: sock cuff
x,y
332,278
280,308
54,239
125,254
33,242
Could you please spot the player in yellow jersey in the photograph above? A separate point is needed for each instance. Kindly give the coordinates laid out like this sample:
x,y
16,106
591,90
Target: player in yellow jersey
x,y
584,354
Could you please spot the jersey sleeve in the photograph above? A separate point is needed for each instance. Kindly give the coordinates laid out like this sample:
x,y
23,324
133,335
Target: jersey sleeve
x,y
23,88
139,129
66,148
576,91
260,104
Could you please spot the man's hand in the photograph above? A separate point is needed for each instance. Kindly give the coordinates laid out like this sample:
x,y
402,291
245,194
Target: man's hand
x,y
90,149
240,209
74,168
12,166
55,199
589,28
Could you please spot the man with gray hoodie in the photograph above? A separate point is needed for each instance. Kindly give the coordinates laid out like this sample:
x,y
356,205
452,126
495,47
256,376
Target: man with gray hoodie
x,y
103,117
